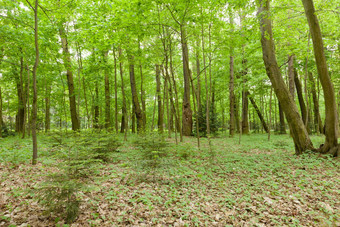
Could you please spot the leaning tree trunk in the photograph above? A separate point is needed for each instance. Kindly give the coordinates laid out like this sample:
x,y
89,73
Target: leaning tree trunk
x,y
259,114
298,130
136,106
72,97
331,122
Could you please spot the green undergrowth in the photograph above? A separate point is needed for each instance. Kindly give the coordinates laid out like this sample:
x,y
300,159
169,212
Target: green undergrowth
x,y
149,179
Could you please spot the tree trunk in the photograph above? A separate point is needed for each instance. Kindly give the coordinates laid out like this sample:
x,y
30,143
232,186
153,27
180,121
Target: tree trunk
x,y
291,76
116,93
298,130
231,98
0,113
317,117
96,107
159,101
259,114
47,108
187,113
21,102
34,110
124,125
331,122
300,97
67,63
107,93
136,106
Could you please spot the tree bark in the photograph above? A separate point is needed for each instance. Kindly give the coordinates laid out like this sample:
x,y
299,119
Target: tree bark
x,y
47,108
231,98
298,130
124,126
116,92
19,123
96,107
0,113
67,63
291,76
331,122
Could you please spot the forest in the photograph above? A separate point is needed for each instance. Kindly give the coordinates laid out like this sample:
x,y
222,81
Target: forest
x,y
169,113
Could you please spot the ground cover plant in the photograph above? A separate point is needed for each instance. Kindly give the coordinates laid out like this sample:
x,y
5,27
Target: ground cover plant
x,y
260,183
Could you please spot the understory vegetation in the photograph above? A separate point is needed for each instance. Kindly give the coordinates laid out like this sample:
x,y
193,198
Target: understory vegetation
x,y
94,180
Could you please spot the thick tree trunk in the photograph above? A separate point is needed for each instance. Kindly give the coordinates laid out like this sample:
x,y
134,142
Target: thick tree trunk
x,y
159,101
317,117
300,97
35,95
187,113
259,114
137,109
72,97
107,93
331,122
282,124
298,130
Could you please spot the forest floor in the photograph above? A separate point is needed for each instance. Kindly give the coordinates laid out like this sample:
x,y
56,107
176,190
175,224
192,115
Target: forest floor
x,y
254,183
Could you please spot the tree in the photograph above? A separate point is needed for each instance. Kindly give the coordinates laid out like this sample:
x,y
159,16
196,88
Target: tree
x,y
331,122
298,130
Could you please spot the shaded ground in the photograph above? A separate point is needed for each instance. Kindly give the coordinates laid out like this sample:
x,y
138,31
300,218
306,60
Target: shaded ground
x,y
257,183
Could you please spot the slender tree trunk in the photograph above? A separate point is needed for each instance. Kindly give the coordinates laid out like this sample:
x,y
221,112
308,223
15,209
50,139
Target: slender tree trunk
x,y
137,110
270,113
96,107
116,93
35,68
207,98
331,122
187,113
124,107
20,91
299,133
231,98
159,101
245,120
47,108
107,93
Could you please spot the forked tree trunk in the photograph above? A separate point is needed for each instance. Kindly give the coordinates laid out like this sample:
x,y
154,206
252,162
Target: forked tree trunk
x,y
331,122
298,130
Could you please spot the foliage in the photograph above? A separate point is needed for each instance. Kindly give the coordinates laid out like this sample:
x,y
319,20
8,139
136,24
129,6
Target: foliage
x,y
214,123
